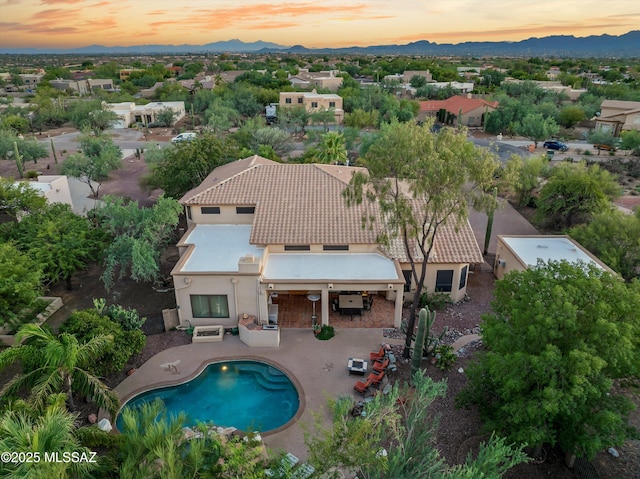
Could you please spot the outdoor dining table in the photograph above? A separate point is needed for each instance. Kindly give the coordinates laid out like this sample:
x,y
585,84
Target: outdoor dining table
x,y
351,304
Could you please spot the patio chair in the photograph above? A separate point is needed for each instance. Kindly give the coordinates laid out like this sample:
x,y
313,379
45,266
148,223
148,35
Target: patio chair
x,y
375,356
380,366
303,471
362,387
376,378
285,466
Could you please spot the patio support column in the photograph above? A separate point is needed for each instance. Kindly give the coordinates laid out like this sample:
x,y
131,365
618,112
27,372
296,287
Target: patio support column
x,y
397,317
325,306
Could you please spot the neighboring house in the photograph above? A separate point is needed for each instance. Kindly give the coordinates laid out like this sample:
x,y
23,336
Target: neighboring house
x,y
458,110
328,80
313,102
31,80
257,228
61,189
85,86
129,113
521,252
409,74
617,116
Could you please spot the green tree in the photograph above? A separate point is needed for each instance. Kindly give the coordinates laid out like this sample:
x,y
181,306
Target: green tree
x,y
20,285
276,138
60,362
153,446
165,117
394,438
19,198
602,137
88,324
420,182
332,149
570,115
559,335
50,432
537,128
99,157
631,141
574,193
60,241
186,165
531,172
614,237
29,149
139,235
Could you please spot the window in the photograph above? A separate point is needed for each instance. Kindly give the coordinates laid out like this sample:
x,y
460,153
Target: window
x,y
209,305
332,104
287,100
210,210
408,276
245,210
314,104
300,100
471,120
444,280
335,247
463,277
188,212
297,247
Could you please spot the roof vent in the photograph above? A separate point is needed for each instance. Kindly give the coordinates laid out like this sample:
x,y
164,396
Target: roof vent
x,y
542,246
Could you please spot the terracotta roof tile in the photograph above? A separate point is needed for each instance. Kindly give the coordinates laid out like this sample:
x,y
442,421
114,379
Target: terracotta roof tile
x,y
455,103
303,204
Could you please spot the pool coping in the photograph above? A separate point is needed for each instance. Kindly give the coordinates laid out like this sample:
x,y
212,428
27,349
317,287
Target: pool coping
x,y
200,369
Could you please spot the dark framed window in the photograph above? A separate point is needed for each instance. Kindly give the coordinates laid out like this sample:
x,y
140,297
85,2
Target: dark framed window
x,y
297,247
209,305
287,100
444,280
245,210
335,247
314,104
463,277
408,277
300,100
332,104
188,212
210,210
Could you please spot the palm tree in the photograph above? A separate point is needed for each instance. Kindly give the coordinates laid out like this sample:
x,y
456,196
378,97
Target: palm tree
x,y
332,149
59,367
53,431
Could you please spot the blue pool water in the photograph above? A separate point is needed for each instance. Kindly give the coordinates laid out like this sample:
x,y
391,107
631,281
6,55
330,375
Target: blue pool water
x,y
248,395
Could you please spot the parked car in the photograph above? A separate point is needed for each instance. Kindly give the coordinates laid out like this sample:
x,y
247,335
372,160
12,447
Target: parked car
x,y
605,147
555,145
183,137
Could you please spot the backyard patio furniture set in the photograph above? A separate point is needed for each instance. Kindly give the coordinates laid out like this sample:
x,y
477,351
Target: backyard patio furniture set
x,y
382,361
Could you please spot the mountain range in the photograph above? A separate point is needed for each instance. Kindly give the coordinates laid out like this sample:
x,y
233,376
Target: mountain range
x,y
626,45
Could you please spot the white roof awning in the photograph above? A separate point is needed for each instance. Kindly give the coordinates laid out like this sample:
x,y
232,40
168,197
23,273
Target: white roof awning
x,y
331,267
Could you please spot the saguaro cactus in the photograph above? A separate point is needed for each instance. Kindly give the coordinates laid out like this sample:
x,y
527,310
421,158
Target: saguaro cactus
x,y
420,340
53,149
16,153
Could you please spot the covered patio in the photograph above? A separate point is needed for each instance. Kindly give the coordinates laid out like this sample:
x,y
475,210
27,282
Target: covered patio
x,y
295,310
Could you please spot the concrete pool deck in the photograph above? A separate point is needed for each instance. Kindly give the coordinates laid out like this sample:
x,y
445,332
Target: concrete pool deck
x,y
319,369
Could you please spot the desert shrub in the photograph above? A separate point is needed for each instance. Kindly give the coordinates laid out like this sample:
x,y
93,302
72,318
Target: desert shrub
x,y
89,323
31,174
128,318
445,357
434,301
327,332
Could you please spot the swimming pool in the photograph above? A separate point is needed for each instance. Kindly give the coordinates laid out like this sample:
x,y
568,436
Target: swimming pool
x,y
248,395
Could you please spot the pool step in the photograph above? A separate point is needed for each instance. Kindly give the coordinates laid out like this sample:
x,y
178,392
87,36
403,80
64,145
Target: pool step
x,y
270,378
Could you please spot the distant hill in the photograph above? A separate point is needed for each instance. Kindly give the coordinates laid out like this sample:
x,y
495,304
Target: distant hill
x,y
627,45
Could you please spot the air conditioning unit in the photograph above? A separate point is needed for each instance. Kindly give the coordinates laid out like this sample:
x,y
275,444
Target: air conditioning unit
x,y
502,263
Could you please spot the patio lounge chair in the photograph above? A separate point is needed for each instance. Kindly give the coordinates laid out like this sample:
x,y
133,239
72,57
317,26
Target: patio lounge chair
x,y
287,463
376,378
303,471
362,387
379,355
380,366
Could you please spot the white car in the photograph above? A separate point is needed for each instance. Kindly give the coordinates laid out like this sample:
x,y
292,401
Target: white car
x,y
183,137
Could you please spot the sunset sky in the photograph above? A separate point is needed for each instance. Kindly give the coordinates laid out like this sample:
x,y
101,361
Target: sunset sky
x,y
314,24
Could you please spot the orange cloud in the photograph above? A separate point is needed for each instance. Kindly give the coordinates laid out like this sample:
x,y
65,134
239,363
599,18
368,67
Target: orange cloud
x,y
63,2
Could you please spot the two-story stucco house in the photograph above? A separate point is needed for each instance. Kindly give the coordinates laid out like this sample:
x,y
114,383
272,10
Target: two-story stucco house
x,y
313,102
257,228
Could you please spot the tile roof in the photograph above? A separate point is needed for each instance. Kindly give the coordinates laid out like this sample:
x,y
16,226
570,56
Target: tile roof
x,y
300,204
455,103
